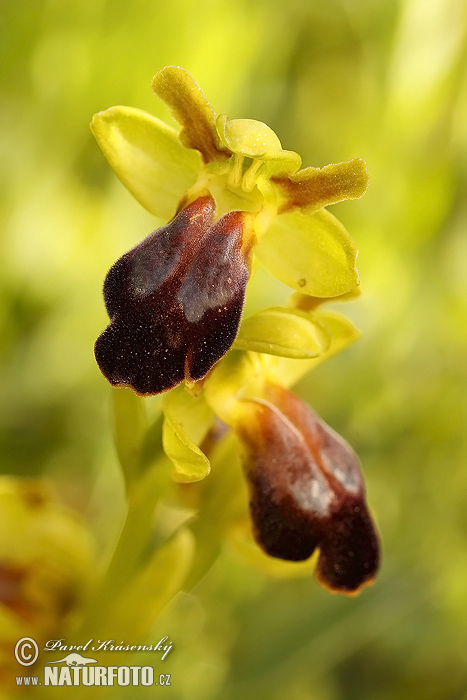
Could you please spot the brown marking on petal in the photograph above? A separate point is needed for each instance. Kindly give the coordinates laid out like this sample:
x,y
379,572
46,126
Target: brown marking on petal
x,y
177,88
175,301
319,187
307,491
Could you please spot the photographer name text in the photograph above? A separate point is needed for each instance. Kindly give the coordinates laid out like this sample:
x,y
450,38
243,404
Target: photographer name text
x,y
164,646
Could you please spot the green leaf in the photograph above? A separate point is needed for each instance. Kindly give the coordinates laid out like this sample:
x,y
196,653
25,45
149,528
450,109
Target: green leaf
x,y
151,447
223,501
130,424
147,156
284,332
153,587
313,254
187,421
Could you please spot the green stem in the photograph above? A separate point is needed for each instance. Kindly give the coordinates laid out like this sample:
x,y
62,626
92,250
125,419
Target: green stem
x,y
129,550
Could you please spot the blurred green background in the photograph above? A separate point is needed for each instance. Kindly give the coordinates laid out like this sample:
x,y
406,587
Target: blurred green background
x,y
336,79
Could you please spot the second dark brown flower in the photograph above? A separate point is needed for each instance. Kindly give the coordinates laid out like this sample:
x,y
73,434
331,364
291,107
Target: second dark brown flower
x,y
307,491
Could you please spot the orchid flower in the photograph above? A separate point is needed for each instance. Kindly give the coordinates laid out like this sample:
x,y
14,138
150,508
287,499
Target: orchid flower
x,y
230,191
307,491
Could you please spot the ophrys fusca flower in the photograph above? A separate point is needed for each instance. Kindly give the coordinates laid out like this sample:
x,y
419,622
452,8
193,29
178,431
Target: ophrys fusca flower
x,y
175,300
306,491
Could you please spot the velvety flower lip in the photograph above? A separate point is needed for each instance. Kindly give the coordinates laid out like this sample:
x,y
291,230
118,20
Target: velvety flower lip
x,y
307,491
175,300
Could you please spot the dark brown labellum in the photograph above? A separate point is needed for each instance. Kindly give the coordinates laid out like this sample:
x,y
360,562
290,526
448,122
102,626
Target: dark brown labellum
x,y
307,491
174,301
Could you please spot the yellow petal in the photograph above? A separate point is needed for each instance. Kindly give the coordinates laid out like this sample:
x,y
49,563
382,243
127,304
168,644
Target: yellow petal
x,y
284,332
190,463
287,372
253,139
313,254
187,421
248,137
147,156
